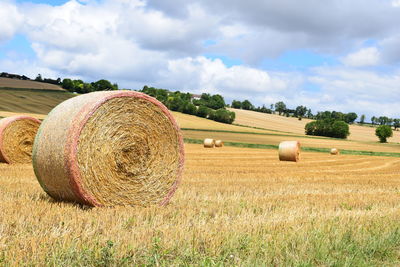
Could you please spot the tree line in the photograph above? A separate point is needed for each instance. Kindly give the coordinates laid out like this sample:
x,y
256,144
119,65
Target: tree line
x,y
214,106
207,106
79,86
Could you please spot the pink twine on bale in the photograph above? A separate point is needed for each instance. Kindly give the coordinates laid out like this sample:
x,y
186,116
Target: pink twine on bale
x,y
75,176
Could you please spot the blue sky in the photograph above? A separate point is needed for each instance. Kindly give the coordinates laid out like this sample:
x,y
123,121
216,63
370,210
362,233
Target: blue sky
x,y
264,51
49,2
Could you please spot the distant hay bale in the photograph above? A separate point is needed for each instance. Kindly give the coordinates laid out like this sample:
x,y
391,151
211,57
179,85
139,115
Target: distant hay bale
x,y
16,138
335,151
209,143
219,143
108,149
289,151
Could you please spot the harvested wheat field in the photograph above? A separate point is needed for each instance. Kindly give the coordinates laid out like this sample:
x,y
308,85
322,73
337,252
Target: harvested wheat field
x,y
305,141
235,206
28,84
295,126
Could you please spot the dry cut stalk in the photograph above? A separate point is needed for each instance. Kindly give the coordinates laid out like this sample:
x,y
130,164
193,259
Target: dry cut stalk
x,y
16,138
289,151
108,149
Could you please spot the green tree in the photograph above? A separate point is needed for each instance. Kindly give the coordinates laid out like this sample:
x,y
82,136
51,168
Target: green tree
x,y
68,85
216,102
223,115
87,88
328,127
383,120
280,107
39,78
362,119
203,111
104,85
247,105
350,117
175,103
300,112
189,108
236,104
309,114
373,120
311,128
340,129
383,132
78,86
396,123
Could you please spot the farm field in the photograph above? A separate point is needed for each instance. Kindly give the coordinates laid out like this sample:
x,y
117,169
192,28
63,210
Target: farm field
x,y
293,125
15,83
305,142
31,100
235,206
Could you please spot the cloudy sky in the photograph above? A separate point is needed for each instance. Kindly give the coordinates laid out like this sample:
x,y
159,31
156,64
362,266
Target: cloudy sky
x,y
328,55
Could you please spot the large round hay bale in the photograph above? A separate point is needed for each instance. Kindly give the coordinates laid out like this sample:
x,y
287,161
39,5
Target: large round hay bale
x,y
289,151
334,151
209,143
109,148
16,138
219,143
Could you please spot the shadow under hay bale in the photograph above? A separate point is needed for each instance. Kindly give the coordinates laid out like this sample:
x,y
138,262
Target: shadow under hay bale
x,y
108,149
289,151
17,134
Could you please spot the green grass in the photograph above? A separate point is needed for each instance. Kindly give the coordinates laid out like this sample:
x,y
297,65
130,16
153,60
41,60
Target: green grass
x,y
259,128
308,149
255,133
334,242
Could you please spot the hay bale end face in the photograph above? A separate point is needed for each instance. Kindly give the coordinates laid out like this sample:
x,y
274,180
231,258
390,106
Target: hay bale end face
x,y
17,134
289,151
209,143
108,149
335,151
219,143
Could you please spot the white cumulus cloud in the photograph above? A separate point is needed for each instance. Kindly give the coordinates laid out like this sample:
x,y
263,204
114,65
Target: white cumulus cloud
x,y
369,56
10,20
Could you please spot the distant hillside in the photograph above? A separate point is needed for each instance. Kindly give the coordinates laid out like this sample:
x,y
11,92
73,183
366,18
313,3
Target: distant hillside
x,y
293,125
27,84
39,101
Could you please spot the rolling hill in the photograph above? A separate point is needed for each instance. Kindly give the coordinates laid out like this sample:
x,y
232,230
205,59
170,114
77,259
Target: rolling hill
x,y
294,126
252,129
39,101
27,84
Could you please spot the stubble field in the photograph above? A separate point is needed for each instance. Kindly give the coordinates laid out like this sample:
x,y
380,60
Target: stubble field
x,y
235,206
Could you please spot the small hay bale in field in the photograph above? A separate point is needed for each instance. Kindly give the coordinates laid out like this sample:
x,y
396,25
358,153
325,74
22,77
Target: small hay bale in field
x,y
108,149
334,151
209,143
16,138
289,151
219,143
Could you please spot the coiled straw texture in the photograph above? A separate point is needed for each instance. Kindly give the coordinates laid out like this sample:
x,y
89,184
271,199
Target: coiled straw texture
x,y
209,143
335,151
109,148
219,143
289,151
16,138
